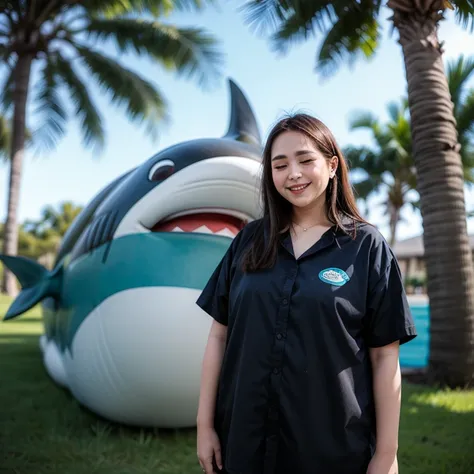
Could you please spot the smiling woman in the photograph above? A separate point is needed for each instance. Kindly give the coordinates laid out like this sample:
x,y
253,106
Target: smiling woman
x,y
301,371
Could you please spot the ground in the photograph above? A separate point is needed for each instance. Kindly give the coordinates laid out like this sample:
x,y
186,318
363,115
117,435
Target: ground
x,y
44,430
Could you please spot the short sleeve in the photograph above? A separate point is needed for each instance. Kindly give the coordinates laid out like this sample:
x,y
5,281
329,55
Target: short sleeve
x,y
389,317
214,298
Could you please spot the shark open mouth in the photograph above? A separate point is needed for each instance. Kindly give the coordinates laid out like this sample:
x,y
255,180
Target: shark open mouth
x,y
205,221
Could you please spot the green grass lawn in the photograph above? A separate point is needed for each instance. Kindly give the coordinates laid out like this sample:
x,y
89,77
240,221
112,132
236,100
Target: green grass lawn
x,y
44,430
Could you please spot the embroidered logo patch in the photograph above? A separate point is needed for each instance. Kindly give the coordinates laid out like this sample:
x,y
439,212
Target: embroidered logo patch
x,y
334,276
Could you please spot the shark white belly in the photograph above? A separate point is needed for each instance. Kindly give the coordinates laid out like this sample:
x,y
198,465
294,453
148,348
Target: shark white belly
x,y
139,364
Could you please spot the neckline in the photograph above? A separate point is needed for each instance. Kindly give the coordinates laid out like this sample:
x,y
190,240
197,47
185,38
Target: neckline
x,y
327,238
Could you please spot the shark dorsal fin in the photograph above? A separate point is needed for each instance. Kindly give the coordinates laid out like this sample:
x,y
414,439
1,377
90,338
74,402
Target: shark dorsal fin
x,y
243,124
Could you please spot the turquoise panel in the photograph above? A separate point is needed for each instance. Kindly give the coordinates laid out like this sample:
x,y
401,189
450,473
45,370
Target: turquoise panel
x,y
139,260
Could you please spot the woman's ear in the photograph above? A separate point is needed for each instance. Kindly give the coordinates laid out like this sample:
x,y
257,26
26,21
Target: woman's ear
x,y
333,163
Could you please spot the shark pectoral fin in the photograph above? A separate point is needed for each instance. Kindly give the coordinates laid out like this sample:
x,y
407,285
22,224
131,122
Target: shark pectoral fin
x,y
37,283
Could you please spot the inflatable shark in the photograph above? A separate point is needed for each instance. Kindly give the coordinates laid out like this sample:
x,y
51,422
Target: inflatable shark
x,y
122,331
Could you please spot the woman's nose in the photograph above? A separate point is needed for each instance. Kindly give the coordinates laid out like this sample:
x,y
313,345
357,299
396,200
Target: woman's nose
x,y
295,172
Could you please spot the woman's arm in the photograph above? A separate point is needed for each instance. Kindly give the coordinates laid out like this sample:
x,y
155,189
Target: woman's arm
x,y
387,393
211,367
208,443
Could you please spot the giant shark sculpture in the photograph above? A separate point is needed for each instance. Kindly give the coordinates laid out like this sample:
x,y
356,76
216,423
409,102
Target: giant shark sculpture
x,y
122,330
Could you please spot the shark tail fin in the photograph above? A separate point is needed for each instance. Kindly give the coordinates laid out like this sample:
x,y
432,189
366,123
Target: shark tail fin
x,y
37,283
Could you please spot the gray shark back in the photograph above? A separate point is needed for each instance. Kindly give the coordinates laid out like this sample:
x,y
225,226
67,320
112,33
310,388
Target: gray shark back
x,y
98,225
76,229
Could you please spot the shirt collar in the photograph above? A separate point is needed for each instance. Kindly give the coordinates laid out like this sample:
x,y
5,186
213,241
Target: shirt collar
x,y
333,235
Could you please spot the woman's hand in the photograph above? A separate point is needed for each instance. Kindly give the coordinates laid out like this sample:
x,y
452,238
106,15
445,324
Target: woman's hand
x,y
208,447
383,463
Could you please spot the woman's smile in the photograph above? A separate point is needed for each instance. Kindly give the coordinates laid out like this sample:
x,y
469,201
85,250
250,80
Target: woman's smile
x,y
298,188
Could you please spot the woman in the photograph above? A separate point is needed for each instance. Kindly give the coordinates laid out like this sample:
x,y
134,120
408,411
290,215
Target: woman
x,y
301,370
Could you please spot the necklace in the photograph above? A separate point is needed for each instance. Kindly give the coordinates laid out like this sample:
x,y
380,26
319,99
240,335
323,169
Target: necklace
x,y
305,228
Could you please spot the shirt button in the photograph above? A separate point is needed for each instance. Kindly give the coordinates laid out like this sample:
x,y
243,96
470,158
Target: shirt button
x,y
279,336
285,301
276,370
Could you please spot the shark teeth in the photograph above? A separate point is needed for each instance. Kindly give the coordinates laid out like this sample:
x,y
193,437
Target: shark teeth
x,y
205,230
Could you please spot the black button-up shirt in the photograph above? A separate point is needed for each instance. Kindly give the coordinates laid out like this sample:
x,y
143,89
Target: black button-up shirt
x,y
295,392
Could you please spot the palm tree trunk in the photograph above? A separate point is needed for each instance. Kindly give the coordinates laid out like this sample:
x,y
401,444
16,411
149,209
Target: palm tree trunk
x,y
10,244
441,188
394,220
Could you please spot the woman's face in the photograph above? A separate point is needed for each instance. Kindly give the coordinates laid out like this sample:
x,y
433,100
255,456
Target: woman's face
x,y
299,170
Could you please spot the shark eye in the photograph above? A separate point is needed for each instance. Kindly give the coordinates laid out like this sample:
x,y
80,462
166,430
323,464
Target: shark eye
x,y
161,170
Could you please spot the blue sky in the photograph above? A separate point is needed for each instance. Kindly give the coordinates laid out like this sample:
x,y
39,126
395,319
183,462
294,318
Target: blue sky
x,y
274,84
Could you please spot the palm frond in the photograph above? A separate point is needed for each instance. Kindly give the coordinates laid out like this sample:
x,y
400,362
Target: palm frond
x,y
155,8
302,23
355,32
264,16
364,120
410,180
465,117
50,107
363,189
142,100
5,52
188,51
349,27
469,174
465,13
395,111
6,92
90,120
364,159
459,72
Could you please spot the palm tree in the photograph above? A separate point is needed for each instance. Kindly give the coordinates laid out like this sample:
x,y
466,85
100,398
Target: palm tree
x,y
391,163
349,28
460,72
61,38
53,220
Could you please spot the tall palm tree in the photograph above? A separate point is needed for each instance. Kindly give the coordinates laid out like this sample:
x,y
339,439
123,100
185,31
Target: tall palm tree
x,y
61,38
350,28
391,163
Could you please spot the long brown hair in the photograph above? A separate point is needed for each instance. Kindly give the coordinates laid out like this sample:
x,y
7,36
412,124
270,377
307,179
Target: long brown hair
x,y
340,200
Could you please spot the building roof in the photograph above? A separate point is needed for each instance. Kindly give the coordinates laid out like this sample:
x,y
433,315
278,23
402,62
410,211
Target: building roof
x,y
413,247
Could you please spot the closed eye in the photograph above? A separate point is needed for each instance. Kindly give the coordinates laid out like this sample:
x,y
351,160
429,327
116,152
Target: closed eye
x,y
305,162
